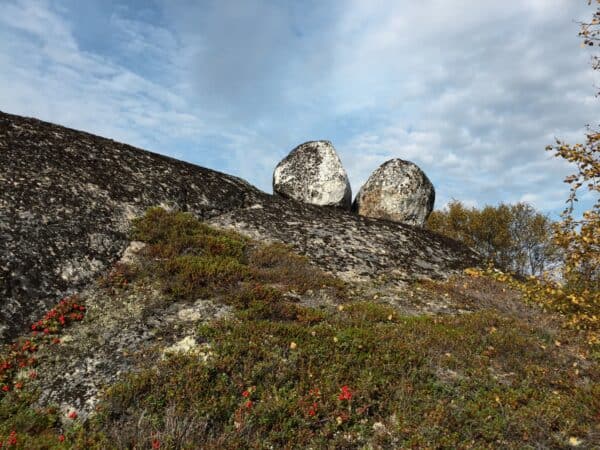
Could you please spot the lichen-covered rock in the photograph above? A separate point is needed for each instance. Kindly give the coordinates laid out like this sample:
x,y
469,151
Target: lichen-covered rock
x,y
67,199
351,247
313,173
398,191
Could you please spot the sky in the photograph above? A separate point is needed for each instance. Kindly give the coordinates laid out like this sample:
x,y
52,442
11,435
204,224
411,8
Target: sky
x,y
471,91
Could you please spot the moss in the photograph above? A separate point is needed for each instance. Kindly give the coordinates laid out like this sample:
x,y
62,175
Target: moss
x,y
192,259
276,263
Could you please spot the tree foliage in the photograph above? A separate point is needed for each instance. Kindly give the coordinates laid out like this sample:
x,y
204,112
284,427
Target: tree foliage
x,y
579,236
515,237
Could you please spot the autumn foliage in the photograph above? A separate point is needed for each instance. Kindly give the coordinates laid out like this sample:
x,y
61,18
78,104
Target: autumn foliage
x,y
514,237
579,235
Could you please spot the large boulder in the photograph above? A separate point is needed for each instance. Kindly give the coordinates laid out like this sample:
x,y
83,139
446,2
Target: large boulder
x,y
313,173
398,191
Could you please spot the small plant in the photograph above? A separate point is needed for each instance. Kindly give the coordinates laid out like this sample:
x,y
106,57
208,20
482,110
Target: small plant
x,y
429,378
120,276
20,355
23,424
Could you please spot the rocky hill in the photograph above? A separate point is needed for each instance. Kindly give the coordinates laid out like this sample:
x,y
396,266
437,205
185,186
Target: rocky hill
x,y
151,303
67,198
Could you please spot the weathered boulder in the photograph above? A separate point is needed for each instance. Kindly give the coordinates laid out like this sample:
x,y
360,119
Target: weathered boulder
x,y
398,191
313,173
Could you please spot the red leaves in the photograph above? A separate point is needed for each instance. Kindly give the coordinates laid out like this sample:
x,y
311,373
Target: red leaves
x,y
19,354
312,403
346,393
12,439
246,394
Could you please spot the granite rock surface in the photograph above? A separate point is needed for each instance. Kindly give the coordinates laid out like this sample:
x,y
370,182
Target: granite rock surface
x,y
398,191
313,173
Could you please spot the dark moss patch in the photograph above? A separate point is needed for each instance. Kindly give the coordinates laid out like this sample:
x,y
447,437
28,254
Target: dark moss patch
x,y
192,260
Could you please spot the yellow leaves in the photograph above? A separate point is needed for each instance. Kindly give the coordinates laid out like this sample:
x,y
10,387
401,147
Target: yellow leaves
x,y
574,441
293,346
472,272
579,239
579,310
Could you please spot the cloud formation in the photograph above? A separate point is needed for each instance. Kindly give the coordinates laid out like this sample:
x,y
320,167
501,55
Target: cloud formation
x,y
471,91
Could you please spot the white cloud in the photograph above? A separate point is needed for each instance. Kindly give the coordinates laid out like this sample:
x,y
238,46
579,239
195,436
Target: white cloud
x,y
47,75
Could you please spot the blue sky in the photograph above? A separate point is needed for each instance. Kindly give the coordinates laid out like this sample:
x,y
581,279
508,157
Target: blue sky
x,y
472,91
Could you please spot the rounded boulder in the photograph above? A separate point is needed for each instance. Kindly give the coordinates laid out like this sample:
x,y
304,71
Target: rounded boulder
x,y
398,191
313,173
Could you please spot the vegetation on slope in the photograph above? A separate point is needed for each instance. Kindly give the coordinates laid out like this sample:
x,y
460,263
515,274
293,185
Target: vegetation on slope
x,y
280,374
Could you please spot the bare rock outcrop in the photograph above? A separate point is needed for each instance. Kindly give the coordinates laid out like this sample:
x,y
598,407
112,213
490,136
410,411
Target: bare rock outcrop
x,y
398,191
313,173
66,201
67,198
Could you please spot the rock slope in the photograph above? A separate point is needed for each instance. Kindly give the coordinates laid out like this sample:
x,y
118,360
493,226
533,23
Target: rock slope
x,y
67,197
